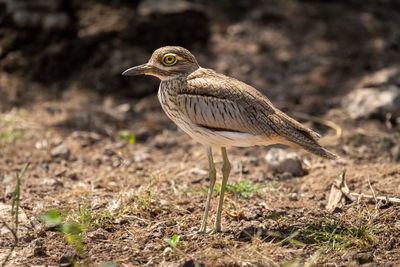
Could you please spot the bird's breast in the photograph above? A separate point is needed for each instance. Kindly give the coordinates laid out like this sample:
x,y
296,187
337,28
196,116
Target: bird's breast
x,y
167,95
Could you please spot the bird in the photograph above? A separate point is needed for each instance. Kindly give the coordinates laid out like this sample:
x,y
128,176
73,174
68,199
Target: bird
x,y
220,112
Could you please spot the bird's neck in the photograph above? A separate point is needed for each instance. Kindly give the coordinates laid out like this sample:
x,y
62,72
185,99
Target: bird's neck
x,y
173,84
170,78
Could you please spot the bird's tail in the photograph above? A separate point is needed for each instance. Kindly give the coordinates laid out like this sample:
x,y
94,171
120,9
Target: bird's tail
x,y
317,149
296,134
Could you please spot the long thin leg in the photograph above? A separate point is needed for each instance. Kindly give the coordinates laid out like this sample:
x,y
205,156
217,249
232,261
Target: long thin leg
x,y
226,169
212,176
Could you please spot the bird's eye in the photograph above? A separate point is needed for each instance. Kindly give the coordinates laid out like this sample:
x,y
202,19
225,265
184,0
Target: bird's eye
x,y
169,59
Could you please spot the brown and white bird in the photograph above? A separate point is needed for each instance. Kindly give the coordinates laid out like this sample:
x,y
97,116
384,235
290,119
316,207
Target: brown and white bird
x,y
220,111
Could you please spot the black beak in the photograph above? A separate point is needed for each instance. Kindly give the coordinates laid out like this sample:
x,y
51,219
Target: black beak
x,y
138,70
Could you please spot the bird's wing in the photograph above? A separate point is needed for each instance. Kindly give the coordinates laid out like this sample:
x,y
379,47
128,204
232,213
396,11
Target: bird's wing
x,y
216,101
213,113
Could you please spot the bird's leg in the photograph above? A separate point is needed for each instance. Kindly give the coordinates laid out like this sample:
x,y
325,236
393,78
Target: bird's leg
x,y
212,176
226,169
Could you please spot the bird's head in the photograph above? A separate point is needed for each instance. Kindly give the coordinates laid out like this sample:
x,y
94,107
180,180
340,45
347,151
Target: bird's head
x,y
166,62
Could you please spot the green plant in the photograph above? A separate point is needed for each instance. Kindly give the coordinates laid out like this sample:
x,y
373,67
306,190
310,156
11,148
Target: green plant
x,y
242,189
333,236
173,244
15,198
11,136
12,127
127,136
72,231
85,217
145,201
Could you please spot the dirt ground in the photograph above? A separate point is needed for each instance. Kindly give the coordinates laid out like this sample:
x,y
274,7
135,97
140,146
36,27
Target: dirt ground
x,y
120,180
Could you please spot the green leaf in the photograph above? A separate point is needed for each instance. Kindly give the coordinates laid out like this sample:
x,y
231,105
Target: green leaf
x,y
132,139
127,136
72,228
51,218
175,239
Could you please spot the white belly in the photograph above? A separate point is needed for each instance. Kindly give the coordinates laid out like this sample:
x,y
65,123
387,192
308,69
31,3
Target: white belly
x,y
212,138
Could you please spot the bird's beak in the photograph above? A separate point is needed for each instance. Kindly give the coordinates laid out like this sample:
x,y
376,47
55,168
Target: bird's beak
x,y
138,70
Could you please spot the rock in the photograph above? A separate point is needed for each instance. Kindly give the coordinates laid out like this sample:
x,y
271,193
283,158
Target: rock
x,y
73,176
45,14
67,259
42,144
395,152
108,151
87,138
116,163
293,197
285,176
191,263
172,20
98,234
140,157
55,21
251,215
38,248
148,7
61,151
8,178
280,161
363,258
369,102
388,75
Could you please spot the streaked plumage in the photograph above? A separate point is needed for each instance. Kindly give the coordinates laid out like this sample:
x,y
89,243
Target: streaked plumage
x,y
220,111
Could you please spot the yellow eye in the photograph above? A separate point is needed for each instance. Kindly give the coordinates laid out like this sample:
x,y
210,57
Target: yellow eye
x,y
169,59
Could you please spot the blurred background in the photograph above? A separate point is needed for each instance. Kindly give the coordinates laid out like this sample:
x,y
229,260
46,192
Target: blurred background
x,y
307,53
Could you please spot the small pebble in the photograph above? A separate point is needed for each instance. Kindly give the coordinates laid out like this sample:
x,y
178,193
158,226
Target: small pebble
x,y
61,151
280,161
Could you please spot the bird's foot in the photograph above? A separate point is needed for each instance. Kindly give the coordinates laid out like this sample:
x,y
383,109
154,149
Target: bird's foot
x,y
203,232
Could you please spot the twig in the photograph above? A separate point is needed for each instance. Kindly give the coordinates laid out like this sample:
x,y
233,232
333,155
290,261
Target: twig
x,y
372,190
330,124
354,196
340,190
387,199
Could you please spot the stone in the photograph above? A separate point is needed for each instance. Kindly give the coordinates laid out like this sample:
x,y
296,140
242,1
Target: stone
x,y
293,197
395,152
47,14
61,151
148,7
280,161
108,151
363,258
369,102
86,137
67,259
191,263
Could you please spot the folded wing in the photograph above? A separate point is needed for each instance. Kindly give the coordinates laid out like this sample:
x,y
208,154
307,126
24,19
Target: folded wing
x,y
222,103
